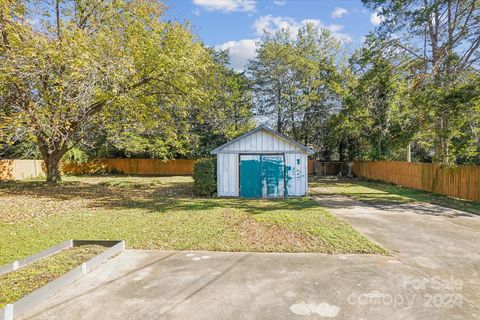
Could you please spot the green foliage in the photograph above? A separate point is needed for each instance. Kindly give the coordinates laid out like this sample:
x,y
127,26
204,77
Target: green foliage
x,y
298,81
191,133
75,156
24,148
439,40
116,171
377,119
228,116
123,82
205,177
114,65
387,106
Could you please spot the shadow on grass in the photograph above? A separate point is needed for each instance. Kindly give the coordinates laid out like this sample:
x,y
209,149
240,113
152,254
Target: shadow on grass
x,y
107,192
394,198
155,194
250,206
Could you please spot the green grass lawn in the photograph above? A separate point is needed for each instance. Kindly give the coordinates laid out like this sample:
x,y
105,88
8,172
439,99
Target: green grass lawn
x,y
17,284
382,193
162,213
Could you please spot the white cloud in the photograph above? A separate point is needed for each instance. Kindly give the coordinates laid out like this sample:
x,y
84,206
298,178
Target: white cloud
x,y
240,52
272,24
227,5
334,27
375,19
339,12
280,2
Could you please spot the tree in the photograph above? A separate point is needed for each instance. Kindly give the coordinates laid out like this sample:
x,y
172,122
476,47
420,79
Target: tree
x,y
78,63
271,75
296,81
378,102
228,116
443,37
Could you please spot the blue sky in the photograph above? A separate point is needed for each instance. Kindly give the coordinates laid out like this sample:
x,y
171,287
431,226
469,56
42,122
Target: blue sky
x,y
237,24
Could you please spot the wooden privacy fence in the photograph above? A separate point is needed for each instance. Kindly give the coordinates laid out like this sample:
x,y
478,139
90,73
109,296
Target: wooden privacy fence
x,y
132,166
328,168
311,167
23,169
20,169
459,182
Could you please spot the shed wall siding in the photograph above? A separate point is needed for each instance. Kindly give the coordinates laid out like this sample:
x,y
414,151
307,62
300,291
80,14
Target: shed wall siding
x,y
296,174
227,175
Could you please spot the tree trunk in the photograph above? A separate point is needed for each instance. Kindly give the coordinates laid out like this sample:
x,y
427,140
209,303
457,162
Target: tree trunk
x,y
409,152
279,111
279,119
57,12
52,161
340,151
442,141
52,165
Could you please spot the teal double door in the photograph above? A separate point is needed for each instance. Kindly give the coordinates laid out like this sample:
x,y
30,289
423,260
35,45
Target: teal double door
x,y
262,175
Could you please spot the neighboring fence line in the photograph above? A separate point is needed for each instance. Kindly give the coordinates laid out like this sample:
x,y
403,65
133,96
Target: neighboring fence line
x,y
328,168
311,167
459,182
23,169
132,166
20,169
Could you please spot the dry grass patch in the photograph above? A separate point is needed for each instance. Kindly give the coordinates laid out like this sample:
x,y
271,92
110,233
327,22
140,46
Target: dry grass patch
x,y
268,237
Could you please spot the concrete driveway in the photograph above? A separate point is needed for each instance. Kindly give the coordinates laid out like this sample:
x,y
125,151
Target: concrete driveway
x,y
439,242
433,273
218,285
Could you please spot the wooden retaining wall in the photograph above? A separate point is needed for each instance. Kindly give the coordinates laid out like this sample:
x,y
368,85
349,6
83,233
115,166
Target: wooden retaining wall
x,y
459,182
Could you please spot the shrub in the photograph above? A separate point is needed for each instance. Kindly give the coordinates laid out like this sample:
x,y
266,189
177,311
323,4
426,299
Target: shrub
x,y
205,177
75,156
116,171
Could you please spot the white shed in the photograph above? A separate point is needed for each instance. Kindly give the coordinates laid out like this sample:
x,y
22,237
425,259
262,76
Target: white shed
x,y
262,164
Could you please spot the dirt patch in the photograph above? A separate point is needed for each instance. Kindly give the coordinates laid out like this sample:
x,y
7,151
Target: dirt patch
x,y
268,237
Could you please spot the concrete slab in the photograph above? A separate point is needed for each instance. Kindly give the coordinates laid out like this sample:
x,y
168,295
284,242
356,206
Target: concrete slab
x,y
220,285
439,242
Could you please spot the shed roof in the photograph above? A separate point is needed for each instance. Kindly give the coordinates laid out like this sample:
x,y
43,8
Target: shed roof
x,y
267,129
